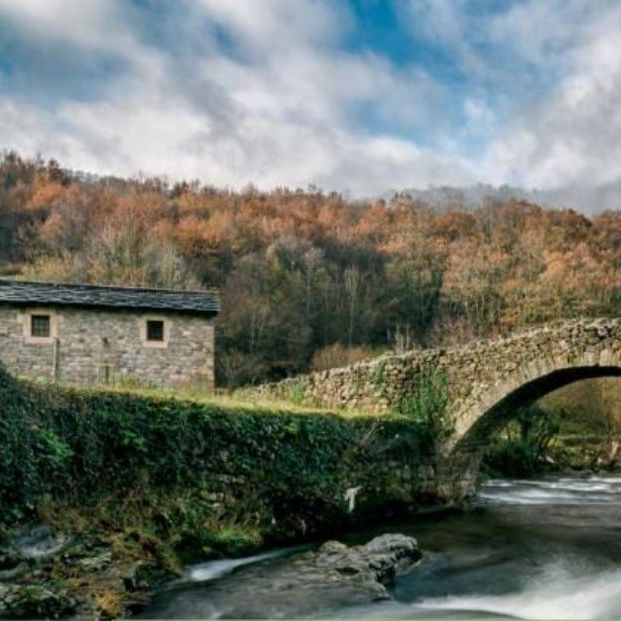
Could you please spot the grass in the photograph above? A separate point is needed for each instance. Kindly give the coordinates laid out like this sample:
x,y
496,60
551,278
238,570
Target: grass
x,y
590,405
236,400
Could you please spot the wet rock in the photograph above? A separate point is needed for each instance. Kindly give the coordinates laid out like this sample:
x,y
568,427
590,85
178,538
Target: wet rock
x,y
11,564
310,583
45,573
331,548
38,543
377,561
35,602
24,550
41,542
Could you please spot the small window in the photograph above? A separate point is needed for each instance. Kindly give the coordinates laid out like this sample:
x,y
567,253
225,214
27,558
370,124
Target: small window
x,y
40,325
155,330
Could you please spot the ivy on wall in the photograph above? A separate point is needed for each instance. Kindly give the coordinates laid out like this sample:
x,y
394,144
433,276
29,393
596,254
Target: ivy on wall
x,y
78,446
427,402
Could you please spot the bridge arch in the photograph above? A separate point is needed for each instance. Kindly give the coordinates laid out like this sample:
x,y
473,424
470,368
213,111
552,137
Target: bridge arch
x,y
476,426
484,379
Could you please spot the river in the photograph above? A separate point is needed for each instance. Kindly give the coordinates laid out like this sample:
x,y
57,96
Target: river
x,y
537,549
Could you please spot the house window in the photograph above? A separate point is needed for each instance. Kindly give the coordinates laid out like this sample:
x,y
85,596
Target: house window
x,y
155,330
40,325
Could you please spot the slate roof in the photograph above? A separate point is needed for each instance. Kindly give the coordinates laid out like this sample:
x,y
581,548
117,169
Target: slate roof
x,y
111,298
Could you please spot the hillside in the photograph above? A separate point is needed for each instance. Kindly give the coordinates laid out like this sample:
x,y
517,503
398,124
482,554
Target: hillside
x,y
308,279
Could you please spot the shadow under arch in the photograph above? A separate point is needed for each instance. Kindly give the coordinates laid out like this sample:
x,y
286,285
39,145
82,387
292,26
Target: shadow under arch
x,y
466,454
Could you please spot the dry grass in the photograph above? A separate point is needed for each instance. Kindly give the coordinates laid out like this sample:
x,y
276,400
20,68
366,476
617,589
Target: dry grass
x,y
237,400
110,604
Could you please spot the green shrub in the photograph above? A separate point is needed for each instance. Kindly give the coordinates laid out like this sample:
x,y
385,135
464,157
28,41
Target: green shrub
x,y
516,459
55,452
521,449
232,539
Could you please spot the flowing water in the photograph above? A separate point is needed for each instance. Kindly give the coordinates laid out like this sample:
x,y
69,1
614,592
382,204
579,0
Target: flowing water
x,y
537,549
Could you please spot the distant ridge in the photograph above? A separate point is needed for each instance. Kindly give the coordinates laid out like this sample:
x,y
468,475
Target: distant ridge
x,y
587,200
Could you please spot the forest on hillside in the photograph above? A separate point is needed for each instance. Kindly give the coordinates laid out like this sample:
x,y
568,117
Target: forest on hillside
x,y
309,279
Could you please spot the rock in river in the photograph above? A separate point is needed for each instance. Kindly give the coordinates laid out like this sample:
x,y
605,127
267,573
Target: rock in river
x,y
303,585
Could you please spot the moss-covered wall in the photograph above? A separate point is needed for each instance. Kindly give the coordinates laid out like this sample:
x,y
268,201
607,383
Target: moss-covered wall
x,y
285,473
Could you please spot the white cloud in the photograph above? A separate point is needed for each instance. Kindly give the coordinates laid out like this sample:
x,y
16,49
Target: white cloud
x,y
274,26
547,78
264,92
540,32
95,25
281,110
573,136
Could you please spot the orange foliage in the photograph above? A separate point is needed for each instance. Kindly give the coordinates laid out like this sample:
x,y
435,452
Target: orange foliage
x,y
284,260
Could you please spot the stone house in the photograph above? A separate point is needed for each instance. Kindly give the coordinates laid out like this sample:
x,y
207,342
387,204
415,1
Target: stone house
x,y
99,335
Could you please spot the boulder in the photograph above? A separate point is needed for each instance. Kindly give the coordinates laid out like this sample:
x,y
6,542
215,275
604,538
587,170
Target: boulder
x,y
379,560
305,584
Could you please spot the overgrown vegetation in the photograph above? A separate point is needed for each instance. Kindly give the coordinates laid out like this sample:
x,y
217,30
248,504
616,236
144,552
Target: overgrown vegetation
x,y
178,462
590,429
147,482
309,279
577,426
426,403
522,448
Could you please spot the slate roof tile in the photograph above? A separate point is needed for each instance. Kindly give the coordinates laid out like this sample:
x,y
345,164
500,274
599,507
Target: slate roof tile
x,y
119,298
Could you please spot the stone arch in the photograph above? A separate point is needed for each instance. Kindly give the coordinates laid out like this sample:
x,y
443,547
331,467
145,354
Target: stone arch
x,y
483,379
475,425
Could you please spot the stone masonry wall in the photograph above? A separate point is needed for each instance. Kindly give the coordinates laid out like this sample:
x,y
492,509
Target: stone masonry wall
x,y
478,375
95,347
486,380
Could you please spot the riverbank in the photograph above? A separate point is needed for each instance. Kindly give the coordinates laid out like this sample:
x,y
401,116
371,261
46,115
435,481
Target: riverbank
x,y
48,573
545,548
140,484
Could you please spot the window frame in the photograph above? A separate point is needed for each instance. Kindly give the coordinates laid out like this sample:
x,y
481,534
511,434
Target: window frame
x,y
25,319
144,331
156,325
46,320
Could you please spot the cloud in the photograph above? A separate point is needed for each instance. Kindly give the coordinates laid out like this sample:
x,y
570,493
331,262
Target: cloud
x,y
542,83
572,137
67,21
263,94
273,26
270,92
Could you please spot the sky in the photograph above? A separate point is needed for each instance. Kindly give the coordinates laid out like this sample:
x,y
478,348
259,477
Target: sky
x,y
358,96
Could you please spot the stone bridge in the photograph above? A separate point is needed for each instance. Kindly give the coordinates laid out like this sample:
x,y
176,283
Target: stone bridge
x,y
486,381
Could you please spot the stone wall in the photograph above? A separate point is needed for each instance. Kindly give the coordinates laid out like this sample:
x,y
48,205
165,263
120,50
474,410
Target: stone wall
x,y
98,347
285,472
482,377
